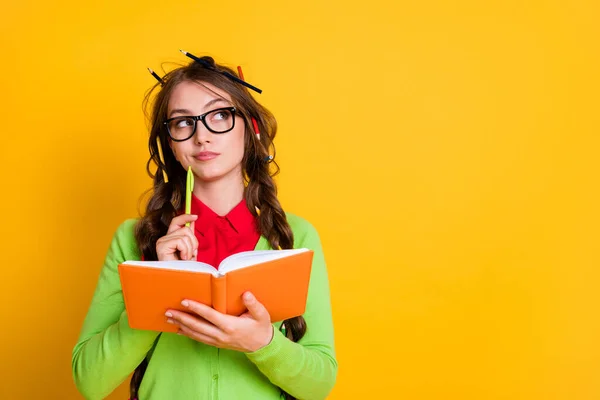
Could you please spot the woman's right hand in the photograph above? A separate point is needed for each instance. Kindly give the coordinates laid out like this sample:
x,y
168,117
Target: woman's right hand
x,y
180,242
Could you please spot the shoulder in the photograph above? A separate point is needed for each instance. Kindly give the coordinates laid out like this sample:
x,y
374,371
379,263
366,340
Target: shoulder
x,y
304,231
123,240
299,224
126,230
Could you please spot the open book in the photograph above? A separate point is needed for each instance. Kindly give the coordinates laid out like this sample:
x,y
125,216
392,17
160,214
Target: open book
x,y
278,278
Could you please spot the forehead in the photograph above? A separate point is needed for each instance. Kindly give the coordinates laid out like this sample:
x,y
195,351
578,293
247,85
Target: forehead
x,y
194,95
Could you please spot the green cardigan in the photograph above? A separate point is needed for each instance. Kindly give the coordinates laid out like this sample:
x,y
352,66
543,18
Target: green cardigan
x,y
108,350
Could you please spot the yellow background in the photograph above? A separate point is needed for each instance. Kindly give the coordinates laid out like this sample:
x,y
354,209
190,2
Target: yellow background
x,y
445,150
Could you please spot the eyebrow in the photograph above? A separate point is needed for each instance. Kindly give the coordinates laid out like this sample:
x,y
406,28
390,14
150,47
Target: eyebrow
x,y
185,111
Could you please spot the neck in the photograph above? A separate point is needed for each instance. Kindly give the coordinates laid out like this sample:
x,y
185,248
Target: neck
x,y
221,195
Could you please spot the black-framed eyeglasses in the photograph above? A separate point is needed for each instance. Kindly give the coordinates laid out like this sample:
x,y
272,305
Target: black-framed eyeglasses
x,y
183,127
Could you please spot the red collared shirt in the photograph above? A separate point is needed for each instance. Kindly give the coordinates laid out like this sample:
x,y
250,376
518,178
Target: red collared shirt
x,y
219,237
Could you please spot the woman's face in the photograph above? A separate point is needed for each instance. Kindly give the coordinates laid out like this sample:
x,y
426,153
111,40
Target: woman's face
x,y
212,156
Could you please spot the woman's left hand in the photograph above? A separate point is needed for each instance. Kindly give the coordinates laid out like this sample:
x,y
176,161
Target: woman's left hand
x,y
247,333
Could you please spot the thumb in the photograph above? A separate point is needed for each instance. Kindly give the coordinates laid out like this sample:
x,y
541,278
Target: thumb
x,y
256,309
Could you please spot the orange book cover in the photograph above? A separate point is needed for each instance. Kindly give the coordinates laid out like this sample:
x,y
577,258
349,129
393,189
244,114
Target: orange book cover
x,y
278,278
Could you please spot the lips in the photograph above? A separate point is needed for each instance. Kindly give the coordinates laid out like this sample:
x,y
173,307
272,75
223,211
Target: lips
x,y
206,155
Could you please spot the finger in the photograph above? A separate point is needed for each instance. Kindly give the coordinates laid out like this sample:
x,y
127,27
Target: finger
x,y
193,241
208,313
176,244
195,324
184,330
165,249
189,253
182,245
180,221
256,309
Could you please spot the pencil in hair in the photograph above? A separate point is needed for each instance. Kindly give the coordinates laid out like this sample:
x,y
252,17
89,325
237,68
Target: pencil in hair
x,y
162,160
158,78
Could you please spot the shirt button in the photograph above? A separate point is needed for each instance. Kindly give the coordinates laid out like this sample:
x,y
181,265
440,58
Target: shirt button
x,y
215,377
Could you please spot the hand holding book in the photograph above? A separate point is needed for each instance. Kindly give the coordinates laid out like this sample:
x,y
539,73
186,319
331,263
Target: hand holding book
x,y
247,333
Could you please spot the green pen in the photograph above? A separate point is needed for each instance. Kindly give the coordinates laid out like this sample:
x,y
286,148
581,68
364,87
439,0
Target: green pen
x,y
189,186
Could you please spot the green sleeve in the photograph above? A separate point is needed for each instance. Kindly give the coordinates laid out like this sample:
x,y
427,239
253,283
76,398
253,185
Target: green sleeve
x,y
307,369
108,350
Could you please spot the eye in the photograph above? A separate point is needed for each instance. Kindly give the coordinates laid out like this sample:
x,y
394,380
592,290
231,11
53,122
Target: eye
x,y
222,115
181,123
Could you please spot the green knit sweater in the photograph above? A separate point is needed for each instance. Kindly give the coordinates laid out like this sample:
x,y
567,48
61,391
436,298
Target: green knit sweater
x,y
108,350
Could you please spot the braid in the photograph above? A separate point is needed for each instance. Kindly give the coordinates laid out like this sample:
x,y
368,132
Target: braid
x,y
161,209
273,225
272,221
136,379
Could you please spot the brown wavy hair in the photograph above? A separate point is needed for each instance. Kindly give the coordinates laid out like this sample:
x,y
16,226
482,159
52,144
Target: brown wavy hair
x,y
167,198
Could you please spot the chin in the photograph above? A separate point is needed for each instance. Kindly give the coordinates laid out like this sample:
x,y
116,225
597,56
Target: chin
x,y
212,175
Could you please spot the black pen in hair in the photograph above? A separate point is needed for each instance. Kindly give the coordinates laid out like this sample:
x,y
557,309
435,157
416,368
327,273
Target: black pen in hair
x,y
235,78
199,60
190,55
158,78
227,74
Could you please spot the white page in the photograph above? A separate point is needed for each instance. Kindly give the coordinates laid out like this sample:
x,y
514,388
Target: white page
x,y
249,258
178,265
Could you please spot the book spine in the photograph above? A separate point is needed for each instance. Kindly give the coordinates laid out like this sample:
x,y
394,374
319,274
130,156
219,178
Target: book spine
x,y
219,294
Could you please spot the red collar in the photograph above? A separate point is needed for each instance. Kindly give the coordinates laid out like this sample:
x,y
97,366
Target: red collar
x,y
239,219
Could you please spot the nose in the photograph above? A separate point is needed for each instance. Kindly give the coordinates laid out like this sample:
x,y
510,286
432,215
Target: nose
x,y
202,134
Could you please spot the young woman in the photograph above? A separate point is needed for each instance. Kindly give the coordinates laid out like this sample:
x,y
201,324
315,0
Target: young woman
x,y
203,115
